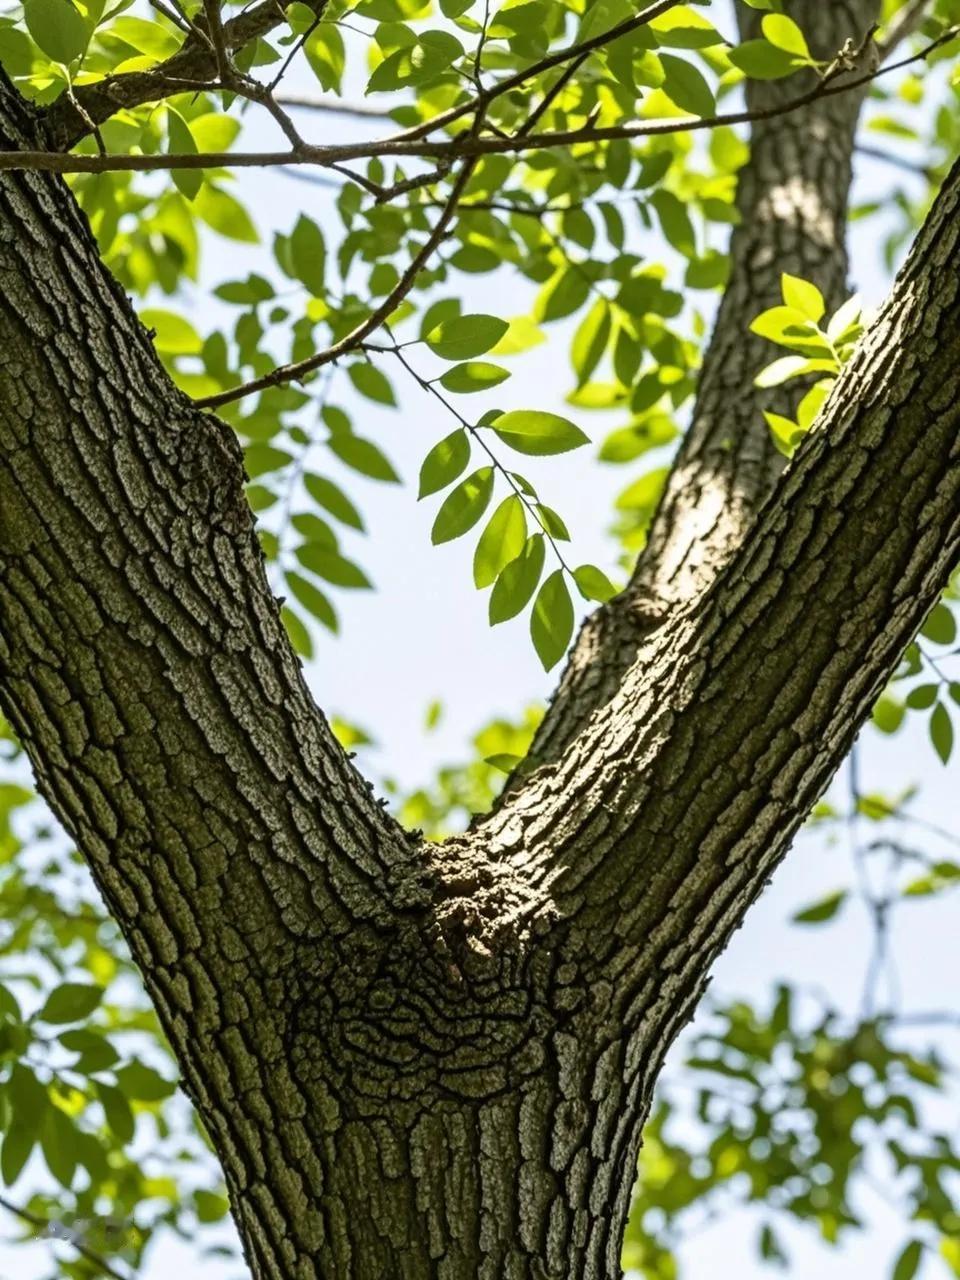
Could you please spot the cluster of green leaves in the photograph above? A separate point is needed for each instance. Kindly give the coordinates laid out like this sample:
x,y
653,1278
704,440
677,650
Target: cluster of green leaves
x,y
797,325
461,791
795,1107
929,668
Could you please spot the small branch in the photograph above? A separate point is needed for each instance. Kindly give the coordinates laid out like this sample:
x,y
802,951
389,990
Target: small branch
x,y
352,341
51,1229
462,147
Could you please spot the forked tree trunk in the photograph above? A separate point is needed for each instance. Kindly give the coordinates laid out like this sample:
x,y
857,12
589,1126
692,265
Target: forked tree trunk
x,y
418,1061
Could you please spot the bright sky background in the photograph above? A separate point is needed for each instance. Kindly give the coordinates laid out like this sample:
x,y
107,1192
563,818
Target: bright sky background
x,y
423,635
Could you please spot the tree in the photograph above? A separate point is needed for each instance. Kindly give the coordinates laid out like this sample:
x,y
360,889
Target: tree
x,y
435,1059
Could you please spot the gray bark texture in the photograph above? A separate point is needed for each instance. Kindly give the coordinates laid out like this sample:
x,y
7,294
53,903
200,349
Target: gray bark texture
x,y
434,1061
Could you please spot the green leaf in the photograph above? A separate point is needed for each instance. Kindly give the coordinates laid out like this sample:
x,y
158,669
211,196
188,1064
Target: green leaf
x,y
18,1142
590,340
803,296
503,761
225,215
332,498
313,600
445,462
783,33
331,566
941,732
940,626
685,86
463,337
326,55
888,714
70,1002
210,1207
501,541
297,632
116,1108
182,142
823,910
761,60
308,255
58,1142
372,383
363,456
594,583
463,507
908,1263
173,335
475,375
534,432
551,622
143,1084
518,581
57,27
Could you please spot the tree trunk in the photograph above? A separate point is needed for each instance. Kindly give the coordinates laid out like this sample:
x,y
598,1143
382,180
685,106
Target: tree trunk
x,y
792,198
420,1060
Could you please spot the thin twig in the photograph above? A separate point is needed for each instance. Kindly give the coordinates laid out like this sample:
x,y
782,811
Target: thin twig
x,y
351,341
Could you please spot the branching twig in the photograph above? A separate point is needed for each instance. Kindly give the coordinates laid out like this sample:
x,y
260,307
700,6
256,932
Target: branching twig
x,y
353,340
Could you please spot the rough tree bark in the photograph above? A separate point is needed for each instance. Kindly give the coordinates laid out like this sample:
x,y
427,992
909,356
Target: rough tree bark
x,y
416,1060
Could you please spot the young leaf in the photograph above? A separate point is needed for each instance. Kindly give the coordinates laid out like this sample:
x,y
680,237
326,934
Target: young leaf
x,y
783,33
594,583
823,910
941,732
685,85
501,541
551,623
534,432
70,1002
313,600
331,566
518,581
308,255
332,498
475,375
57,27
760,60
445,462
463,337
803,296
363,456
463,507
